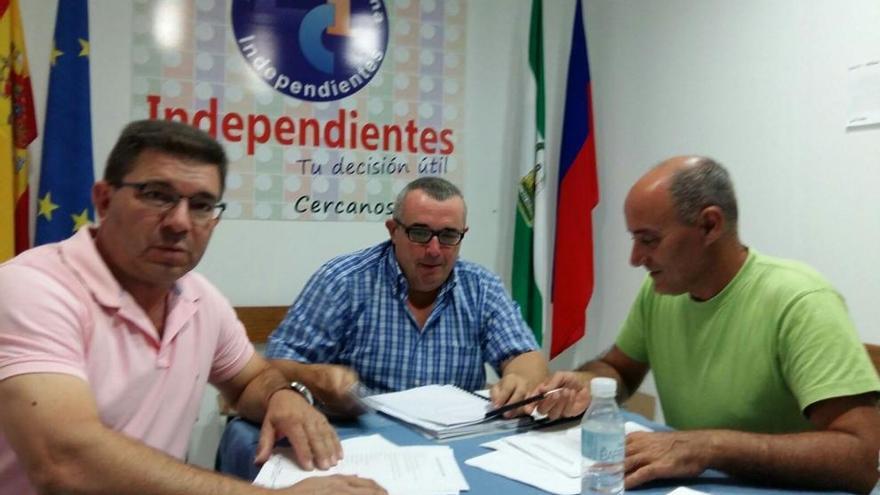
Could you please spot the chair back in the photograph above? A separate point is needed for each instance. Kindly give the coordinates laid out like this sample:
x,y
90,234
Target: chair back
x,y
259,321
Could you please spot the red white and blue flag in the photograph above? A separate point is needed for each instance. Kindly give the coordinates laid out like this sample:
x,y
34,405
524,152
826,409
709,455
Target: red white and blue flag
x,y
578,194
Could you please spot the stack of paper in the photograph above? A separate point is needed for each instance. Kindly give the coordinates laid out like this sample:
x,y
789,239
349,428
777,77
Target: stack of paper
x,y
443,411
400,470
549,460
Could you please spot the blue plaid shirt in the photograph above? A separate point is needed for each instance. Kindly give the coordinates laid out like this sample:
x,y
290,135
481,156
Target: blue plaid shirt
x,y
353,312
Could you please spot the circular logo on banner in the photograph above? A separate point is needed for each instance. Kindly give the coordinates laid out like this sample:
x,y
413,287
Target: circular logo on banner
x,y
315,50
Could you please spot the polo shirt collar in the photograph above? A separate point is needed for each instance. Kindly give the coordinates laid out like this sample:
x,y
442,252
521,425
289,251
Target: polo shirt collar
x,y
81,254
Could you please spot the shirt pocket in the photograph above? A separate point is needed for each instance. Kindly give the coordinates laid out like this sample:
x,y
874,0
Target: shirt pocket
x,y
456,357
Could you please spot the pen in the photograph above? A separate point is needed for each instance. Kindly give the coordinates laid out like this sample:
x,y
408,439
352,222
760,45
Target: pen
x,y
509,407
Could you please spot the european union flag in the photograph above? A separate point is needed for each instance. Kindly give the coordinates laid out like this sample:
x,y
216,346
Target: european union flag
x,y
66,173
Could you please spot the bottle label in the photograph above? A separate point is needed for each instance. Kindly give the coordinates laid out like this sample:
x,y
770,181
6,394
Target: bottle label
x,y
603,446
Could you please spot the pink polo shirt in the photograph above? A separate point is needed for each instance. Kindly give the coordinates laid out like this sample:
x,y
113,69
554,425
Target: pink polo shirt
x,y
62,311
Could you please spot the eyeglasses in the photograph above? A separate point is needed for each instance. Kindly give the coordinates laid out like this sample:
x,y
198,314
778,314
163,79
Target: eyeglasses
x,y
422,235
202,207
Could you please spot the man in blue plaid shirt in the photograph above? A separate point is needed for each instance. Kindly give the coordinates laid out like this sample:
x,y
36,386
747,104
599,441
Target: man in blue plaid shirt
x,y
407,313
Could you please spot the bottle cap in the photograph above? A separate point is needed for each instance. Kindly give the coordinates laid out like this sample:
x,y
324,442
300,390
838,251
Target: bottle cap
x,y
603,387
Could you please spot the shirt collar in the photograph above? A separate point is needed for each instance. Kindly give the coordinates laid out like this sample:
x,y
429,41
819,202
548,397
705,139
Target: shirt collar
x,y
732,287
81,254
400,285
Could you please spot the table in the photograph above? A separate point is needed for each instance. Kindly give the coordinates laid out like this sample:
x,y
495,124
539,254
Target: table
x,y
238,445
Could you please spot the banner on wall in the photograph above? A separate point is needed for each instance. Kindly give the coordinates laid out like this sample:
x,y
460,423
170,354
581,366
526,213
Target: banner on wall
x,y
327,108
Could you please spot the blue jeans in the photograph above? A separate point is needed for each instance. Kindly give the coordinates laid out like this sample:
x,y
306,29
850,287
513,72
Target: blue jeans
x,y
237,449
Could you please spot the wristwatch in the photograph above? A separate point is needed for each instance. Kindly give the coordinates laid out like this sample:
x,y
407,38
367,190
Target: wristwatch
x,y
302,390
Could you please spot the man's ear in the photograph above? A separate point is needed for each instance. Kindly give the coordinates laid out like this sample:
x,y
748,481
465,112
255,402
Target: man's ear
x,y
391,225
712,223
102,191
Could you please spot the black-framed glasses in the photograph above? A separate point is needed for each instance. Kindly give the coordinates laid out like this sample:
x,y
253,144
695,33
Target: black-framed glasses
x,y
202,207
422,235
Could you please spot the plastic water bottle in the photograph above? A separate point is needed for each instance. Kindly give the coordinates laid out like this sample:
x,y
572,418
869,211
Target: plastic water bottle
x,y
602,441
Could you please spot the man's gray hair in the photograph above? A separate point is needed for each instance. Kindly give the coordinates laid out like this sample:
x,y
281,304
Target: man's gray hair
x,y
705,184
436,188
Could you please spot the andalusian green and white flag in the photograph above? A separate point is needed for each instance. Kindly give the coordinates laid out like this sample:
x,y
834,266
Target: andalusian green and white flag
x,y
529,249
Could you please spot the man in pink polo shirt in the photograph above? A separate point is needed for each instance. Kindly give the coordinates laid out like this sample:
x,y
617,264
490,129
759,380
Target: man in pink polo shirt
x,y
107,341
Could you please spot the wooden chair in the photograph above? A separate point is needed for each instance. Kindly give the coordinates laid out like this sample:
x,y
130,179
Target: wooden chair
x,y
259,321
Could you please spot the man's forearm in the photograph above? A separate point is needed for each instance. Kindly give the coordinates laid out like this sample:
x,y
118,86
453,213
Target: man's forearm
x,y
254,399
599,368
295,370
615,364
822,459
330,383
97,461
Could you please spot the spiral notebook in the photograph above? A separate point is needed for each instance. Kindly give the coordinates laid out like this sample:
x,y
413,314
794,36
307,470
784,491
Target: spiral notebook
x,y
444,411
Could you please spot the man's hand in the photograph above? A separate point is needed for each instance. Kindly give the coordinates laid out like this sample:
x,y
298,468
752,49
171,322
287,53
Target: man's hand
x,y
313,440
511,388
519,374
680,454
333,385
572,400
336,484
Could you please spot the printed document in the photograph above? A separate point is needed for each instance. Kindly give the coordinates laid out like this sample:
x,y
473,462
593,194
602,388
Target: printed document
x,y
443,411
420,470
549,460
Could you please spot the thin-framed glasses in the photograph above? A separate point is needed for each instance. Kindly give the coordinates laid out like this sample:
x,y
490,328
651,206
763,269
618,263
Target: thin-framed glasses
x,y
202,207
422,235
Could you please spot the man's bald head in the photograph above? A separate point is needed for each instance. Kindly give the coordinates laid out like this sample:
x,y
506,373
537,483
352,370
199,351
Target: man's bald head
x,y
693,183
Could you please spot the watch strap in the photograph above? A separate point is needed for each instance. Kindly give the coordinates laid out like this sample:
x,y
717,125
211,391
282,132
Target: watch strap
x,y
304,391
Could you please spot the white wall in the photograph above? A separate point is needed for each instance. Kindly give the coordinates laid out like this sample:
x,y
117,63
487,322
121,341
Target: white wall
x,y
759,85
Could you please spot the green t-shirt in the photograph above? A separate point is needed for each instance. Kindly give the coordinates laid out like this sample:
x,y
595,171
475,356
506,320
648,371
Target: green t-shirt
x,y
776,339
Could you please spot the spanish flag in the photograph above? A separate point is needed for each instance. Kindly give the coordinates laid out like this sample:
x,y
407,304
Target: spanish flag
x,y
18,127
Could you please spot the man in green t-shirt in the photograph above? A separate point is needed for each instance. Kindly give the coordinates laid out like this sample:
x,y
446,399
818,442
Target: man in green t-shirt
x,y
755,358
